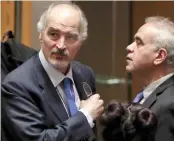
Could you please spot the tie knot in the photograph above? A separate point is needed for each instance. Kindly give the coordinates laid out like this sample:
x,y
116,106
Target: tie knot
x,y
140,94
66,81
138,97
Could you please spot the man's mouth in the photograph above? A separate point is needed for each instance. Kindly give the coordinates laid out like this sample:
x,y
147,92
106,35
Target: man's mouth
x,y
128,58
61,53
58,56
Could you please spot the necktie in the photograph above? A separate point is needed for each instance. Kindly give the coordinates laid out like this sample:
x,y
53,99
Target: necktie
x,y
138,97
69,93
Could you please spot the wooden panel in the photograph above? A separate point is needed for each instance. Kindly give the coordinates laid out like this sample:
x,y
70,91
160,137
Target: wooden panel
x,y
26,19
143,9
7,16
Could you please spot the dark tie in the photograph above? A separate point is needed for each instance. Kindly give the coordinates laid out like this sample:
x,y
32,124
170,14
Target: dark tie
x,y
69,93
138,97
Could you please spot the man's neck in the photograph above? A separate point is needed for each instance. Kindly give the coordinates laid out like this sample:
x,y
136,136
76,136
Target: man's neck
x,y
149,78
64,70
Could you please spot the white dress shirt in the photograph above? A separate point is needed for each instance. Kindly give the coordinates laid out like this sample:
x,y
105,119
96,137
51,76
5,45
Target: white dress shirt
x,y
151,87
56,78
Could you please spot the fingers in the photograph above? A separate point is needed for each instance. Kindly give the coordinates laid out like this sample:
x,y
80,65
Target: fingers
x,y
100,110
101,102
95,96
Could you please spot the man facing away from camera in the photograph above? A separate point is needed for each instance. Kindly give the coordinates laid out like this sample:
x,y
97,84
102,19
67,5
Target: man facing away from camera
x,y
50,97
151,58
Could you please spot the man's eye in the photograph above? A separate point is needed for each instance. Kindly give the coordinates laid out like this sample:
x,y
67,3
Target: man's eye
x,y
53,34
71,37
139,42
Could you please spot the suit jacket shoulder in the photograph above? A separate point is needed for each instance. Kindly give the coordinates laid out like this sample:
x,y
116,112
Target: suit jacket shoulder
x,y
82,69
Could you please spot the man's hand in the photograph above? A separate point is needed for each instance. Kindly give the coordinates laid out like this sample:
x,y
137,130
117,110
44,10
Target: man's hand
x,y
94,105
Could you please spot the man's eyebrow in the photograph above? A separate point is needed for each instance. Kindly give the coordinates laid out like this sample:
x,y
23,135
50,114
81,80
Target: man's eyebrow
x,y
52,28
138,38
57,29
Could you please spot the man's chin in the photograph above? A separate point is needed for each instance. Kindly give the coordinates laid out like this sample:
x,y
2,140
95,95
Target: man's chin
x,y
59,64
129,69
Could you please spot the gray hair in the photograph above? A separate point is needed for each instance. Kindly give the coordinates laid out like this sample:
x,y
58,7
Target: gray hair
x,y
41,25
165,36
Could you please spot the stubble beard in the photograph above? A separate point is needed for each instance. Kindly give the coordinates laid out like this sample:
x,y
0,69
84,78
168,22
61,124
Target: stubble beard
x,y
59,64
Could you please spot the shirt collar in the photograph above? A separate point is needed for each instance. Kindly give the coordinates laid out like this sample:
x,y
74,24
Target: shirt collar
x,y
55,75
151,87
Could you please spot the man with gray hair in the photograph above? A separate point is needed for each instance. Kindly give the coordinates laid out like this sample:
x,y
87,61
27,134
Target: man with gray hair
x,y
51,97
151,58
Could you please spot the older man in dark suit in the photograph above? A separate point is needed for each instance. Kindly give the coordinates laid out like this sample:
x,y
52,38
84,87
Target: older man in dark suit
x,y
50,97
151,59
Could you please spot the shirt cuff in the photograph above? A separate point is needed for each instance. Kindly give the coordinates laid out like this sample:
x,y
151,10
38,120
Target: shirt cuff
x,y
88,116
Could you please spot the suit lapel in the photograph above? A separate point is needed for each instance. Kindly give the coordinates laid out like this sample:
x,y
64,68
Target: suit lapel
x,y
49,92
79,82
153,97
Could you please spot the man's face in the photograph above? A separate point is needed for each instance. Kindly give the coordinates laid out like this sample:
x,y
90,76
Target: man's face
x,y
60,39
141,53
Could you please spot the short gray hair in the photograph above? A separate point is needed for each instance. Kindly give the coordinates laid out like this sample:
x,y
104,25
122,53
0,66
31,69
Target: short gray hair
x,y
165,36
41,25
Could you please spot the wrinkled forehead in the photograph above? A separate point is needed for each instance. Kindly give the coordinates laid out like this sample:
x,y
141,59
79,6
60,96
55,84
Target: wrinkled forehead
x,y
147,32
64,15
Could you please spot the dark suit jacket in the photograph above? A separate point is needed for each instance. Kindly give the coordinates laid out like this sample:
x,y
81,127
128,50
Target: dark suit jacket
x,y
32,109
161,102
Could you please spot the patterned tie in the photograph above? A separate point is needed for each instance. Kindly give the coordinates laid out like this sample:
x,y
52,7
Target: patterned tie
x,y
69,93
138,97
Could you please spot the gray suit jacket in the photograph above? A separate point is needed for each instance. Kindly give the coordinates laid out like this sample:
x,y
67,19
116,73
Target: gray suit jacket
x,y
32,109
161,102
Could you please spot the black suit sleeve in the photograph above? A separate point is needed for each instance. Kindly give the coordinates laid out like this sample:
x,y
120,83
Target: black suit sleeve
x,y
165,131
26,120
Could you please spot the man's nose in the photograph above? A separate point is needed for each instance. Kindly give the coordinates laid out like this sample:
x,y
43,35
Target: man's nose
x,y
130,48
61,43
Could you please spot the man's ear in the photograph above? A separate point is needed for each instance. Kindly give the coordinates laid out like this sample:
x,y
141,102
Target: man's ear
x,y
161,56
40,37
